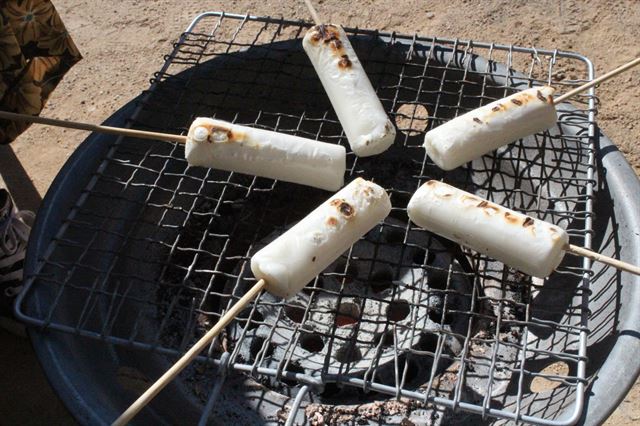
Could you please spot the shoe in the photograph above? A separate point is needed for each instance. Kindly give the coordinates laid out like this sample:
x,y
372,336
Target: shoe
x,y
14,234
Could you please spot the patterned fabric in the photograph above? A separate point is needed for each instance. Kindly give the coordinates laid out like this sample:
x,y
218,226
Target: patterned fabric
x,y
35,53
14,234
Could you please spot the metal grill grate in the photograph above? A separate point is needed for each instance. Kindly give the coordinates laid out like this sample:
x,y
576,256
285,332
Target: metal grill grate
x,y
153,252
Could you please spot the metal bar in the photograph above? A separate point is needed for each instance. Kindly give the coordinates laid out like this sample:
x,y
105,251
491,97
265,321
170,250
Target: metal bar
x,y
296,404
217,387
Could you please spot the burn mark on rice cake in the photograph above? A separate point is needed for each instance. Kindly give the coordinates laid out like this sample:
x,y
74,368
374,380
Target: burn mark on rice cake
x,y
541,96
469,200
344,208
510,218
332,221
344,62
335,44
222,134
330,35
488,208
324,32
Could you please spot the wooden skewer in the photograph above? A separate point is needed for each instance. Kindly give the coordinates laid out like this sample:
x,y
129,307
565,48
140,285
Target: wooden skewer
x,y
143,134
201,344
618,264
312,11
598,80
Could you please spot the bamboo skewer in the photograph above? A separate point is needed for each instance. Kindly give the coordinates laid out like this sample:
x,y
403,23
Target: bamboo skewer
x,y
186,359
598,80
143,134
312,11
618,264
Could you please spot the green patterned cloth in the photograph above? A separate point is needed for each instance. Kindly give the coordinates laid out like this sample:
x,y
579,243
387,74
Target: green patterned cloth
x,y
35,53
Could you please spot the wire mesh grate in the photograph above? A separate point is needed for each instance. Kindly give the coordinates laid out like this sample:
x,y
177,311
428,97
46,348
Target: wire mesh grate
x,y
154,251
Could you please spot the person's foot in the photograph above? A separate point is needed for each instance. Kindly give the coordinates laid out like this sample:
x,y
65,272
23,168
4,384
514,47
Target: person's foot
x,y
14,234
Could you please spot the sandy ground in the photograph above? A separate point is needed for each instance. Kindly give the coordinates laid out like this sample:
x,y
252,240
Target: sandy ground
x,y
123,43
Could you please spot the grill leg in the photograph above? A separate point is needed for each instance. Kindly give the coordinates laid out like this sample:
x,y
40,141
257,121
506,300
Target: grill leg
x,y
215,392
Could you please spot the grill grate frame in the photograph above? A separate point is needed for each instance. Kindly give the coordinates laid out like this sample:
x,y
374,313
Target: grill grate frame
x,y
158,185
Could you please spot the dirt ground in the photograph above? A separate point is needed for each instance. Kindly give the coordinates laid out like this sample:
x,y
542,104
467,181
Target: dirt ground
x,y
123,43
